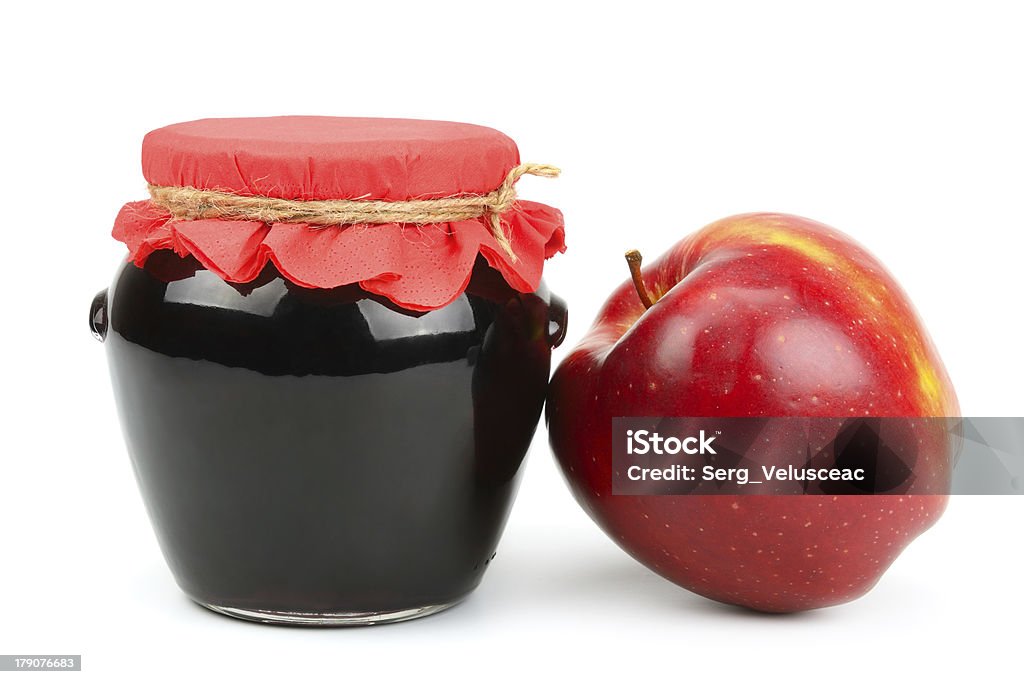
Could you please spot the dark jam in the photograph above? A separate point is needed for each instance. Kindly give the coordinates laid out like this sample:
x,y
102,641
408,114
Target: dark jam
x,y
325,451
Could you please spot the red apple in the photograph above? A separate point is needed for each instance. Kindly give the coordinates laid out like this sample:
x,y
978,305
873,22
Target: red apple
x,y
755,315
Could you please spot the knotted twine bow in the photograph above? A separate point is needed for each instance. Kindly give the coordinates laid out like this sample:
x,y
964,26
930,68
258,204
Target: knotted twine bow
x,y
188,203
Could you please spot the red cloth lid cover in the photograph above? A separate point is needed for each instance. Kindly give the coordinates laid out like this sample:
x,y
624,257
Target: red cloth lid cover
x,y
420,267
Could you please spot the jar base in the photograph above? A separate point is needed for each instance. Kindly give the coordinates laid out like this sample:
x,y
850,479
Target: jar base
x,y
341,619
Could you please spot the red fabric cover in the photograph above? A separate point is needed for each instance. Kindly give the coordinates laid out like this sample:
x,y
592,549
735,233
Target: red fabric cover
x,y
299,157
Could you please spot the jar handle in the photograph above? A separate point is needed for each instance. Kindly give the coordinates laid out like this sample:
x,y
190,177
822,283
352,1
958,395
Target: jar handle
x,y
98,316
558,319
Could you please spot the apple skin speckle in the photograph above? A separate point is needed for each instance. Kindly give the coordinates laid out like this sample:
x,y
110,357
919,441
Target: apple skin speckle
x,y
802,322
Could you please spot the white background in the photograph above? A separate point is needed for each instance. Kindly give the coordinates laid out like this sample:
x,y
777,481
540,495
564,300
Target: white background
x,y
898,123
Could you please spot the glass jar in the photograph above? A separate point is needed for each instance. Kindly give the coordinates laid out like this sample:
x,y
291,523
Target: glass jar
x,y
324,455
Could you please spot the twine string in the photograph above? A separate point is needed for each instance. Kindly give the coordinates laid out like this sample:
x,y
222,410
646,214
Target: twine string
x,y
188,203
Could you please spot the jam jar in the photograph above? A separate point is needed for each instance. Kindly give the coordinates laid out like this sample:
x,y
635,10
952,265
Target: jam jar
x,y
329,349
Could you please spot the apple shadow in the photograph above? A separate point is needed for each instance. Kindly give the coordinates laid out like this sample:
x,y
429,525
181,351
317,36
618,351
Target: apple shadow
x,y
616,583
656,591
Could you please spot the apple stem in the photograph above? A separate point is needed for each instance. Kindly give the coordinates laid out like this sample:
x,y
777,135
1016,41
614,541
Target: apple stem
x,y
634,259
